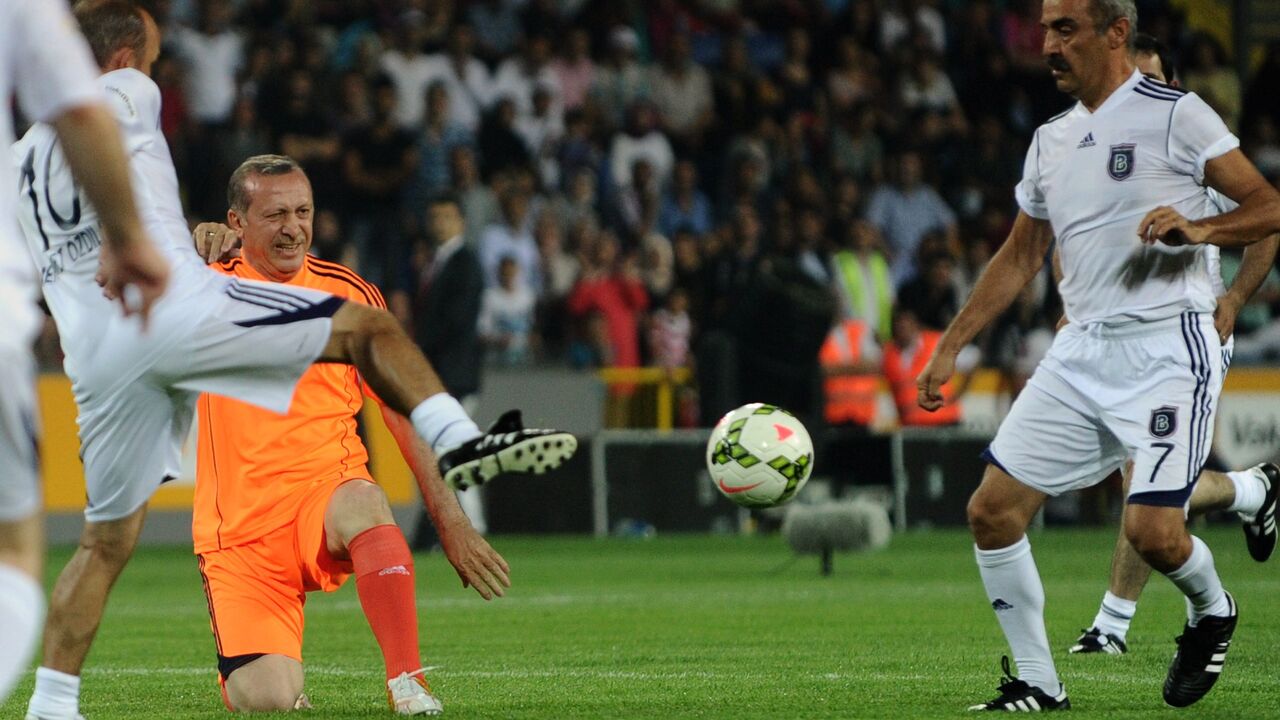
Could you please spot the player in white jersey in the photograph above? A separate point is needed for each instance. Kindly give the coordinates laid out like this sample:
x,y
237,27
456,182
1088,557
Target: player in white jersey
x,y
1134,374
44,59
136,387
1250,493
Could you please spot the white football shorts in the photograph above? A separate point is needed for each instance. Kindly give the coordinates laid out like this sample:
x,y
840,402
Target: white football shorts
x,y
1106,393
247,340
19,472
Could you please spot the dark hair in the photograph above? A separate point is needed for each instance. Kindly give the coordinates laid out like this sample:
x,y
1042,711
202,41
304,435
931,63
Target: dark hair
x,y
444,198
1151,45
237,191
110,25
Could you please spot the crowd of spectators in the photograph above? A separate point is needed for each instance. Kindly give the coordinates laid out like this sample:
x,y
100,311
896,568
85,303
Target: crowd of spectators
x,y
637,176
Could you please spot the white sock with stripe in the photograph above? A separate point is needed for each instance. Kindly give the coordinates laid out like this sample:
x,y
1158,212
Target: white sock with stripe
x,y
1115,614
1198,580
1250,492
442,423
1017,595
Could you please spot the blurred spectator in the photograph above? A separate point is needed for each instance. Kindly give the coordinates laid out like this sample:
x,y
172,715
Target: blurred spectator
x,y
851,362
578,151
634,206
497,25
621,81
931,294
506,315
905,357
501,147
542,129
213,53
244,137
657,264
577,204
518,78
927,88
735,88
856,150
853,80
684,205
670,330
559,267
479,203
1022,36
900,19
795,78
465,77
728,271
575,70
299,129
377,163
1021,336
512,237
436,142
682,95
1257,327
1264,147
409,69
640,140
1206,73
446,309
612,287
353,107
174,113
864,288
1262,100
905,211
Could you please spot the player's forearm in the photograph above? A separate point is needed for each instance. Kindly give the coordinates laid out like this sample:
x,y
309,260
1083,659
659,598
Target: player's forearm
x,y
1257,218
1012,267
1254,266
91,142
442,505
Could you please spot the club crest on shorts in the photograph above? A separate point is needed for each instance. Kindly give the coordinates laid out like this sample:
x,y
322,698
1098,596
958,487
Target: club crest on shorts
x,y
1164,421
1120,163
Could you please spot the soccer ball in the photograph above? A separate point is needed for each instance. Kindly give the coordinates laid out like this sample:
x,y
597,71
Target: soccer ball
x,y
759,455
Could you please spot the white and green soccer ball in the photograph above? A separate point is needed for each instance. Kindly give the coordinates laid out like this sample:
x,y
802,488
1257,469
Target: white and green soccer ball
x,y
759,455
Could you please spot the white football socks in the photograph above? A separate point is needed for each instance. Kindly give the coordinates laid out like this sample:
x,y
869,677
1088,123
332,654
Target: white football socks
x,y
442,423
57,695
1199,581
1017,595
1115,615
1250,492
21,613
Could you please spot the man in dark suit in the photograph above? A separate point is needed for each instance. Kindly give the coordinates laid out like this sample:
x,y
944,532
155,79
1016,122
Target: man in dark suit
x,y
446,309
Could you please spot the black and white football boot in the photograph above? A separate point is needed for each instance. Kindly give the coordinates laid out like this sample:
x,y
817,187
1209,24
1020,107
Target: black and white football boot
x,y
1017,696
1260,531
1202,650
507,448
1095,641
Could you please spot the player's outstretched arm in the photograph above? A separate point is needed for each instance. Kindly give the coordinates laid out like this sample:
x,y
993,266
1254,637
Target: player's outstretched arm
x,y
91,142
1012,267
1256,218
476,562
1254,267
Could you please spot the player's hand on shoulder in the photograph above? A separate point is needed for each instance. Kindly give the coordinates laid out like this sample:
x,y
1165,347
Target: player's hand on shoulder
x,y
1166,225
134,273
930,381
476,562
216,242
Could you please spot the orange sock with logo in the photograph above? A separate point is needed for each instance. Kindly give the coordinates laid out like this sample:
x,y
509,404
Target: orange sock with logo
x,y
384,582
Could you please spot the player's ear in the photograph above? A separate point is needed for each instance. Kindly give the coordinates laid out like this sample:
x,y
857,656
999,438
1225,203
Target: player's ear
x,y
235,220
1119,32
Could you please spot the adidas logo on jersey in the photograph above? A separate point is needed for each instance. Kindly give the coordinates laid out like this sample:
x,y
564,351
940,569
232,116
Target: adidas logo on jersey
x,y
1086,142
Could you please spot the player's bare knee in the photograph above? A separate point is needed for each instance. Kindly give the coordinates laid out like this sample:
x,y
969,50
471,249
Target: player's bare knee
x,y
990,522
1164,548
365,503
268,698
110,544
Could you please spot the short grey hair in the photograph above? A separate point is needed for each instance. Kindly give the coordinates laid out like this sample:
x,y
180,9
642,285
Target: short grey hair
x,y
1106,12
111,25
237,188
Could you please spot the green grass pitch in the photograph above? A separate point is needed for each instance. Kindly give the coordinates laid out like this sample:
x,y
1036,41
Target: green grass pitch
x,y
697,627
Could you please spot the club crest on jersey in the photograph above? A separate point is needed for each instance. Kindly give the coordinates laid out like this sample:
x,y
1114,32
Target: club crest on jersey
x,y
1164,421
1120,163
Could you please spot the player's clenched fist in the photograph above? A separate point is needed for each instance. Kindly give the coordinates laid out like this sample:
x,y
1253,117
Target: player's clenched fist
x,y
1166,225
216,242
930,381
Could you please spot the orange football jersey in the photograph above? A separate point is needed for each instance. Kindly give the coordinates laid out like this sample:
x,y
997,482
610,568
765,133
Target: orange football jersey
x,y
254,467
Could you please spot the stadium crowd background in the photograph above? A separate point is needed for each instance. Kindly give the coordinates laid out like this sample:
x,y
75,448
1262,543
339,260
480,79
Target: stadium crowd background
x,y
646,182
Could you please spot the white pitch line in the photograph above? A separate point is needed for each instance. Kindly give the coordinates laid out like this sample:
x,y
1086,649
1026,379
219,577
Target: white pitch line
x,y
514,674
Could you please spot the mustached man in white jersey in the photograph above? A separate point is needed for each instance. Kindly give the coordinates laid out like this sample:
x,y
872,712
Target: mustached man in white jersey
x,y
136,387
1135,373
46,61
1250,493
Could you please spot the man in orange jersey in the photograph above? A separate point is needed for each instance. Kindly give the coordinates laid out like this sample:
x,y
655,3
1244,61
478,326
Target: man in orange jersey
x,y
284,503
